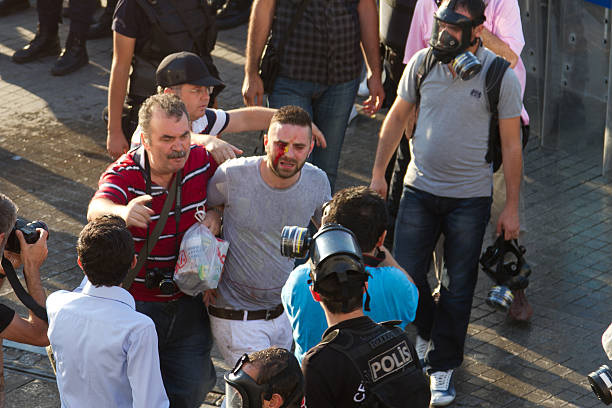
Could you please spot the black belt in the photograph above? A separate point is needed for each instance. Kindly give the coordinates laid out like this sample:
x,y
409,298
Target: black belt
x,y
250,314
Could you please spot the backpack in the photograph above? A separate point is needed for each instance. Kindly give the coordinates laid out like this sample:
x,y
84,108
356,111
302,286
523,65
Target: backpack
x,y
495,74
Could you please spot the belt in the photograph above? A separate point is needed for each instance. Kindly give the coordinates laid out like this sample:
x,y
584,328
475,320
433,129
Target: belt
x,y
250,314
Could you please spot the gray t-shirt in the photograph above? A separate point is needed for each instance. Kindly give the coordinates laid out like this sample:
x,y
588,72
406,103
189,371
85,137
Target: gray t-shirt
x,y
452,133
253,219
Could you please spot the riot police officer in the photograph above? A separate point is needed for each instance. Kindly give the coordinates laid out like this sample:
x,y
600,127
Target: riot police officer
x,y
359,363
144,33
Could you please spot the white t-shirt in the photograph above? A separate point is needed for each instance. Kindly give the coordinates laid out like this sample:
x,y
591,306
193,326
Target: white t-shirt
x,y
213,122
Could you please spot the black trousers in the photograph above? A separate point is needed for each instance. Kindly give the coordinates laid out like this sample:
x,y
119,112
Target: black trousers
x,y
396,169
80,13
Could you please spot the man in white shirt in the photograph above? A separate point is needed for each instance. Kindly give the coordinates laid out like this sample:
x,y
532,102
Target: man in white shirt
x,y
105,351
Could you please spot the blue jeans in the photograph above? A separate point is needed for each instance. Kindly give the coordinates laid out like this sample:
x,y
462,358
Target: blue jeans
x,y
422,217
185,341
329,107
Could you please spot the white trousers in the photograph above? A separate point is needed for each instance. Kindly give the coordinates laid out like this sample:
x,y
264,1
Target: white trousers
x,y
236,337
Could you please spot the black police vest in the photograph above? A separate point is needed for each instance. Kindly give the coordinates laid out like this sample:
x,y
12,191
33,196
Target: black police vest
x,y
176,25
388,364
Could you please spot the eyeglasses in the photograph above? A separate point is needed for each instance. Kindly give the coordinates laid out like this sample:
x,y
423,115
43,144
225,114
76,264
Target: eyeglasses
x,y
201,90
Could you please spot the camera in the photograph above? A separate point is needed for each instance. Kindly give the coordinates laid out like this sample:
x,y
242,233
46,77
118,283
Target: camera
x,y
30,234
505,264
161,278
330,240
601,383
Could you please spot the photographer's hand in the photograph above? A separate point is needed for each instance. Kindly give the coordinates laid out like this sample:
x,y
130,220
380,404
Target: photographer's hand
x,y
32,330
14,258
33,255
390,261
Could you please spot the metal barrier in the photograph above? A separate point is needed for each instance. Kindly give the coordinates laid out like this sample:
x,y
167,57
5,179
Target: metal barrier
x,y
568,62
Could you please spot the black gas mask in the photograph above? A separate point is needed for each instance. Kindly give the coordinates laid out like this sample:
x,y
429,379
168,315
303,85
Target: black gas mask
x,y
332,251
241,391
451,37
505,264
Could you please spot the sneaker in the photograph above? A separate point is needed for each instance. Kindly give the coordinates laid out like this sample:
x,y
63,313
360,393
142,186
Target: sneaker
x,y
421,346
442,388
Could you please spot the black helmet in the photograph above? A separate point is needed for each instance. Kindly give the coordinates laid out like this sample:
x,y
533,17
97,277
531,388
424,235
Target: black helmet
x,y
186,68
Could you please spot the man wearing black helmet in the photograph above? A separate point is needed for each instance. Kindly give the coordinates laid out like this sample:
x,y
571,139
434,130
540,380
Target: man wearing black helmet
x,y
358,362
448,185
187,76
269,378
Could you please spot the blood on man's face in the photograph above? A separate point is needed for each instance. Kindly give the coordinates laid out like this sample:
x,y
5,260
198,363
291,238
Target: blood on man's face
x,y
287,148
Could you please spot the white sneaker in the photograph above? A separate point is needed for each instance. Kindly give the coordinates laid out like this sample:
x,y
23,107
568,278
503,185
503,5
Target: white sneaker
x,y
421,346
442,388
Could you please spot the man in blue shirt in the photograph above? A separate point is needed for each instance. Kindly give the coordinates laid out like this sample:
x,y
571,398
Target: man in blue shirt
x,y
105,350
394,295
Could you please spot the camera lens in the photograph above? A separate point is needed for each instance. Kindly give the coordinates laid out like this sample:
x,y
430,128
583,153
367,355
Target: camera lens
x,y
500,298
601,383
167,286
295,242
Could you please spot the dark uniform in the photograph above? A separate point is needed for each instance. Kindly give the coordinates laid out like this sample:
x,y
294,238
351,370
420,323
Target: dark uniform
x,y
80,13
163,27
395,19
391,375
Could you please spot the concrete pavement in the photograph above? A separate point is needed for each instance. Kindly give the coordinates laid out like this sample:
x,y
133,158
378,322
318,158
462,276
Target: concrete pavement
x,y
52,151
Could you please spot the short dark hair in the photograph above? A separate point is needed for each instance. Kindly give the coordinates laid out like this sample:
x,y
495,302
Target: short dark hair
x,y
353,290
106,250
8,214
292,115
363,211
170,104
476,8
273,361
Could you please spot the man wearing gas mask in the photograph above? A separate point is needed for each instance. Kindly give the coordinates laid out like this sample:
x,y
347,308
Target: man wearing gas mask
x,y
269,378
502,34
358,363
448,184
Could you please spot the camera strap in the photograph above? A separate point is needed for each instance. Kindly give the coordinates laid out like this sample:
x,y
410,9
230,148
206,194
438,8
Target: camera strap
x,y
173,192
21,293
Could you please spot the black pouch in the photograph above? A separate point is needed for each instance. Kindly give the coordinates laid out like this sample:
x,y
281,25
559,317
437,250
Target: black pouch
x,y
129,120
269,66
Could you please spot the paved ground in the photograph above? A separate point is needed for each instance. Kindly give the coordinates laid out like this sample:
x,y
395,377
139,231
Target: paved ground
x,y
52,152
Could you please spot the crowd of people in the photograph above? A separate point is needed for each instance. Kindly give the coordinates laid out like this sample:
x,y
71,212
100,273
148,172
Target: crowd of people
x,y
127,336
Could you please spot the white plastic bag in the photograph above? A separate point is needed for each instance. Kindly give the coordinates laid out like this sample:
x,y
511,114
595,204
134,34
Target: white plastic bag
x,y
201,259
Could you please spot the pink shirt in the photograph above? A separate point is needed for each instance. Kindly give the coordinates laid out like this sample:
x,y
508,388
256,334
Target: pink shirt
x,y
503,19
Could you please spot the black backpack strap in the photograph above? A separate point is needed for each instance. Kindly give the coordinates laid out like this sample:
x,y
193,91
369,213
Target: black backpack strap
x,y
493,80
422,72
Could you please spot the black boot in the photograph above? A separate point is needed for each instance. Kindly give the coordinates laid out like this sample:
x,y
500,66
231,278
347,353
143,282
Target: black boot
x,y
233,13
102,27
73,57
45,43
9,6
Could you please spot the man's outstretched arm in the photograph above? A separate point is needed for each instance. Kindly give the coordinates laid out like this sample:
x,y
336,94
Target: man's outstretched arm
x,y
400,117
